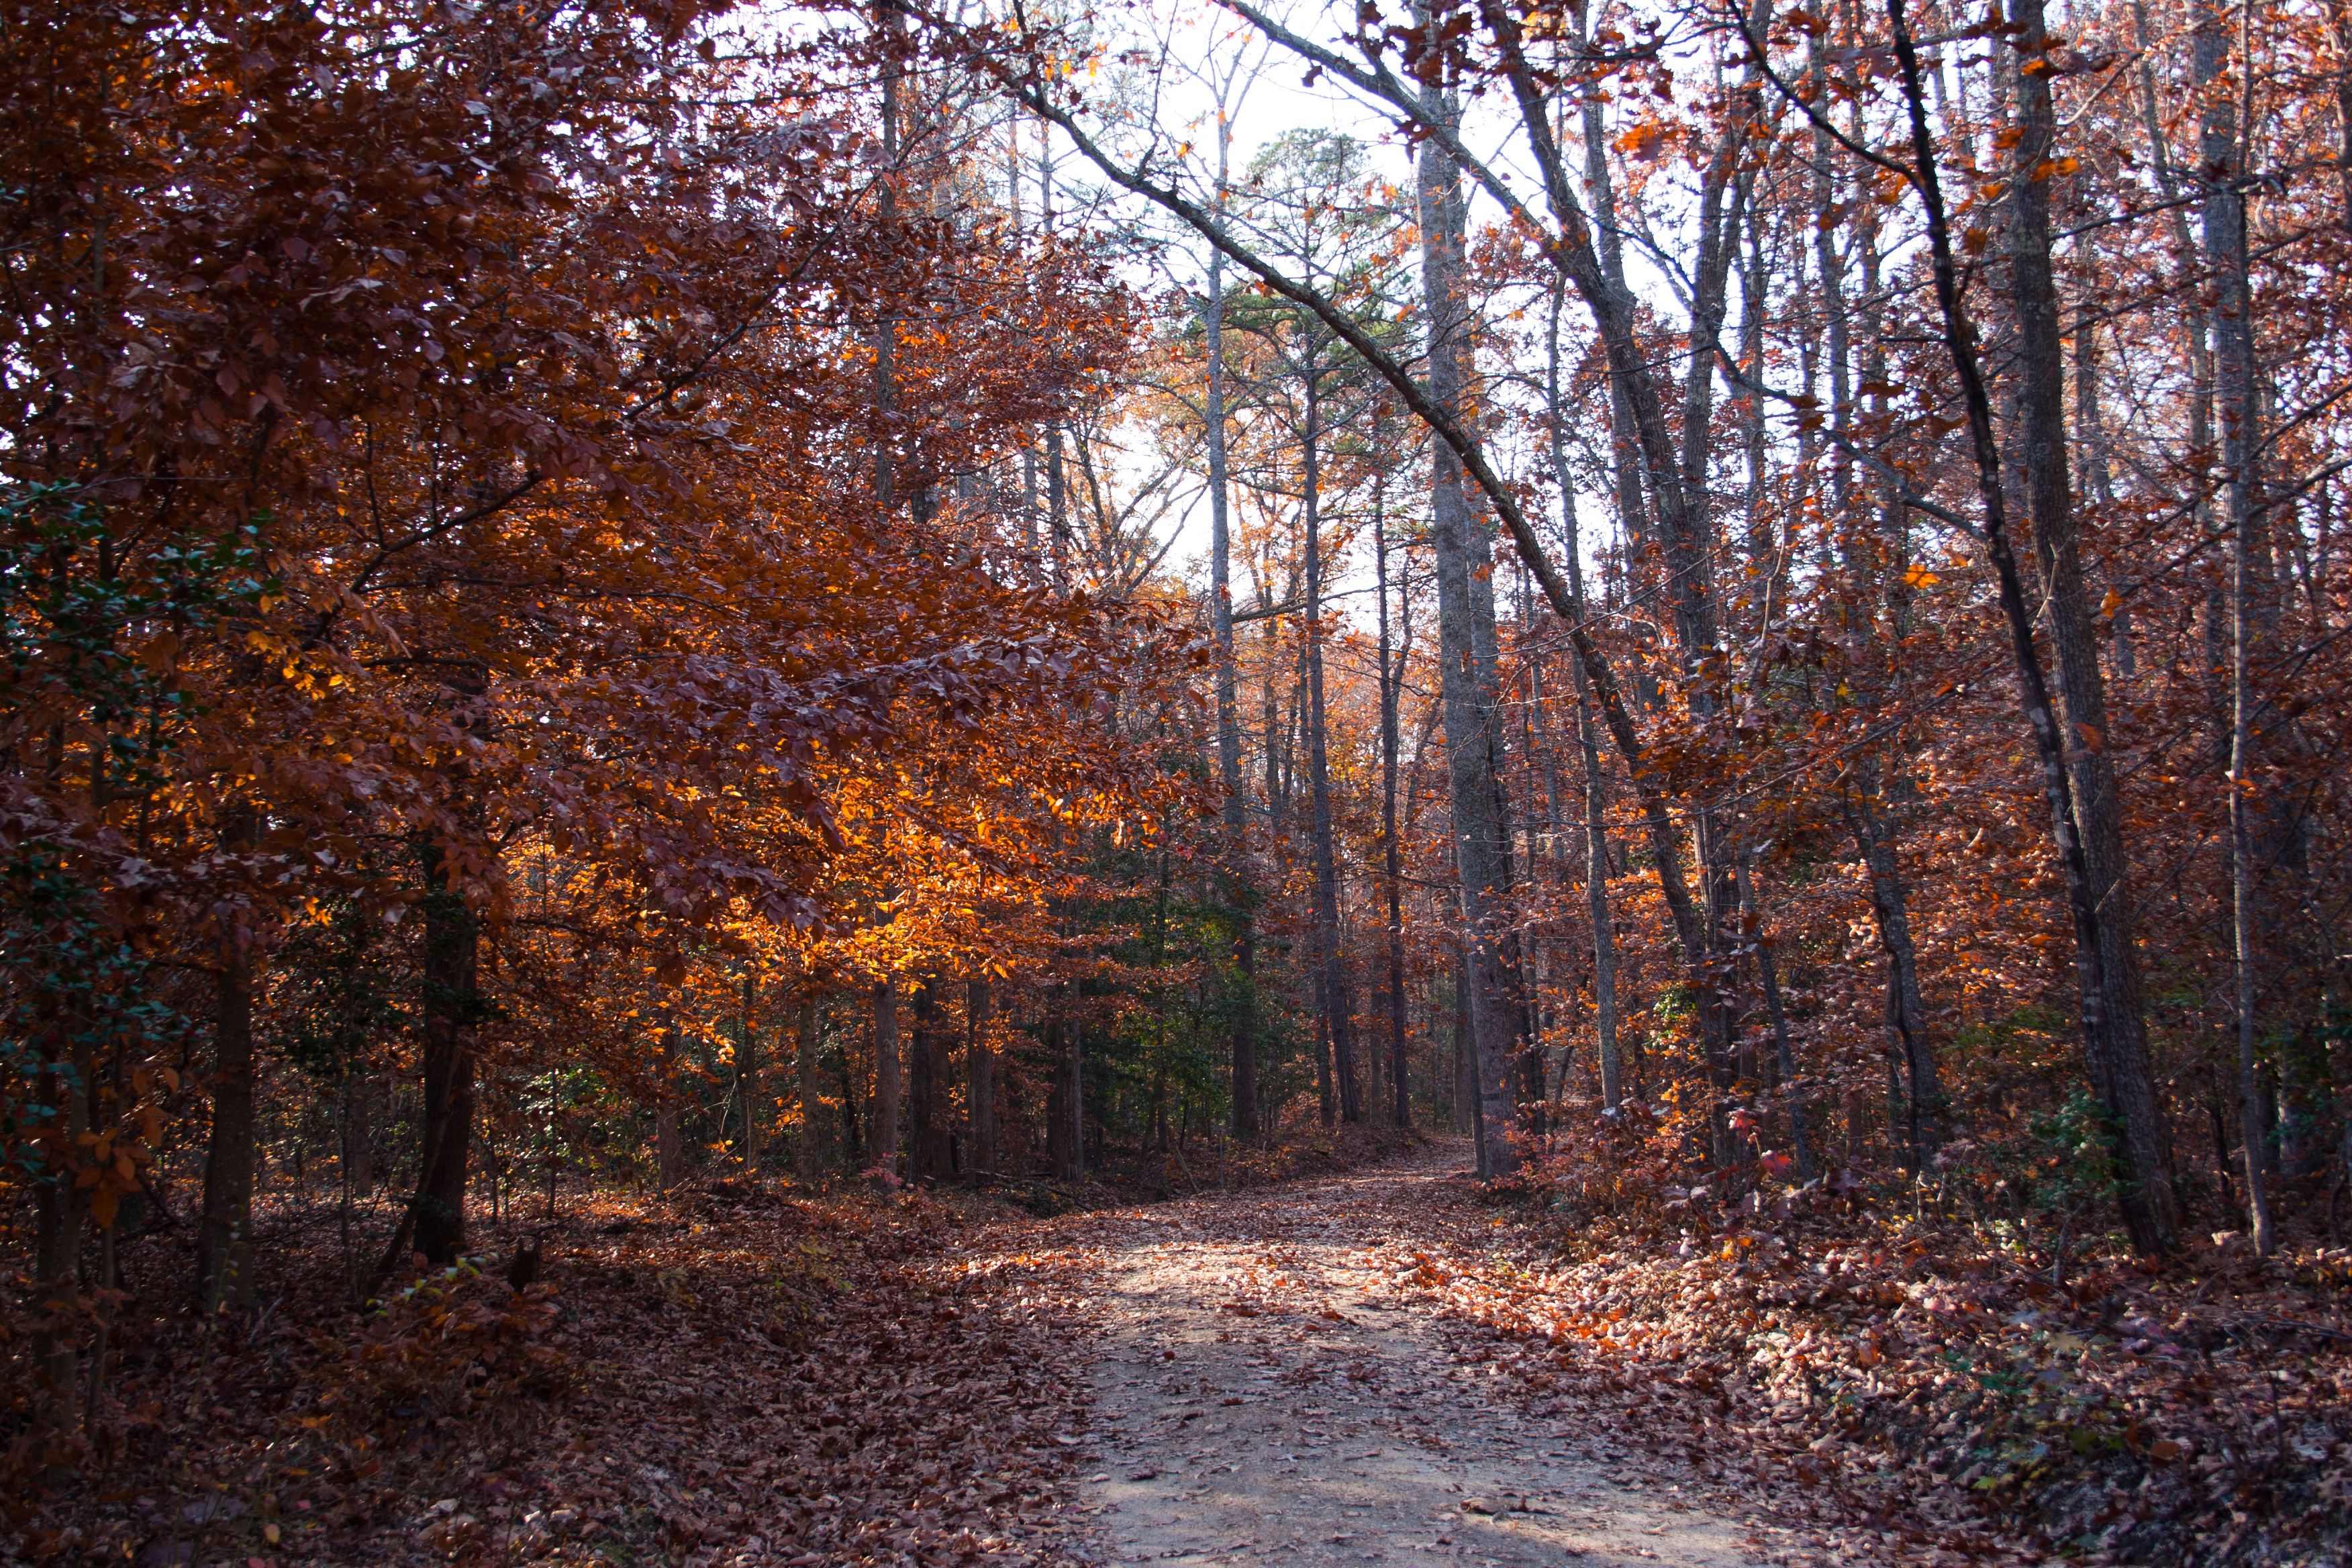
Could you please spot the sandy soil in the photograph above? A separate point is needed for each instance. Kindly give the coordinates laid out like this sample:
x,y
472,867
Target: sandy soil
x,y
1263,1394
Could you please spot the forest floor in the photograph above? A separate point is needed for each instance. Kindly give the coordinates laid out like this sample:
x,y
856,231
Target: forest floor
x,y
1383,1363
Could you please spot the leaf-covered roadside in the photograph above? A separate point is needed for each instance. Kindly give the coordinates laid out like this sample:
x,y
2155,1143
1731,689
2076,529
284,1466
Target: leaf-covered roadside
x,y
1896,1392
731,1376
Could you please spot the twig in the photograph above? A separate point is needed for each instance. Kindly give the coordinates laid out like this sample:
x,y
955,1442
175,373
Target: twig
x,y
1025,1181
2298,1327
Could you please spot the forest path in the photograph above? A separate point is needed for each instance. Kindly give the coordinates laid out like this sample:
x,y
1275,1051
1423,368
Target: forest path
x,y
1264,1390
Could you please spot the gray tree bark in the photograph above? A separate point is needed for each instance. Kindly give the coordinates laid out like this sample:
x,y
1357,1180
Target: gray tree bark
x,y
1391,854
1244,1038
1908,1046
1961,339
2124,1078
1494,1018
1339,1013
1596,831
2233,381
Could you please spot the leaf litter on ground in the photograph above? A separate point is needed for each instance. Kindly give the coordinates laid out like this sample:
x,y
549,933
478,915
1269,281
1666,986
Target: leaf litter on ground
x,y
1899,1389
741,1375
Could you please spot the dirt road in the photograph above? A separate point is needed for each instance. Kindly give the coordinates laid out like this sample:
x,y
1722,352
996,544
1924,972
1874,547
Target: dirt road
x,y
1266,1391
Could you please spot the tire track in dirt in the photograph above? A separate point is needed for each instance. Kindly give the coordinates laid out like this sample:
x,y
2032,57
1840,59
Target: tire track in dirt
x,y
1262,1393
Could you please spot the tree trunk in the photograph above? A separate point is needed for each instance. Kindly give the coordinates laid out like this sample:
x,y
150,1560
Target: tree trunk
x,y
1338,1019
747,1077
224,1237
60,1212
1624,446
1638,411
1057,507
1392,692
927,1152
1520,829
1059,1126
1278,684
808,1159
1077,1097
2140,1211
1326,1101
1596,832
1248,1116
2233,382
669,1154
452,1011
1493,1020
980,1076
853,1141
1242,1041
892,26
1768,972
359,1132
885,1146
2124,1077
1906,1015
1466,1050
1831,267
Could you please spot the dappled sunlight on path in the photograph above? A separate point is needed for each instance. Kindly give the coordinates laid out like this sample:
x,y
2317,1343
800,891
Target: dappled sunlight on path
x,y
1263,1391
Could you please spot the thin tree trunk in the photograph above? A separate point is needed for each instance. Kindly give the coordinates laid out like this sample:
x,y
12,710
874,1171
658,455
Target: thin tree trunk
x,y
892,25
1527,967
669,1153
1077,1100
809,1158
1768,972
887,1083
926,1142
2234,382
1466,1050
1059,1119
853,1122
1624,446
1391,854
1057,482
1596,830
358,1134
980,1075
1906,1016
453,944
747,1077
1325,1101
2339,28
1270,718
1672,468
224,1235
60,1212
1338,1022
1831,267
2089,426
1960,337
1242,1040
1470,771
2152,1212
